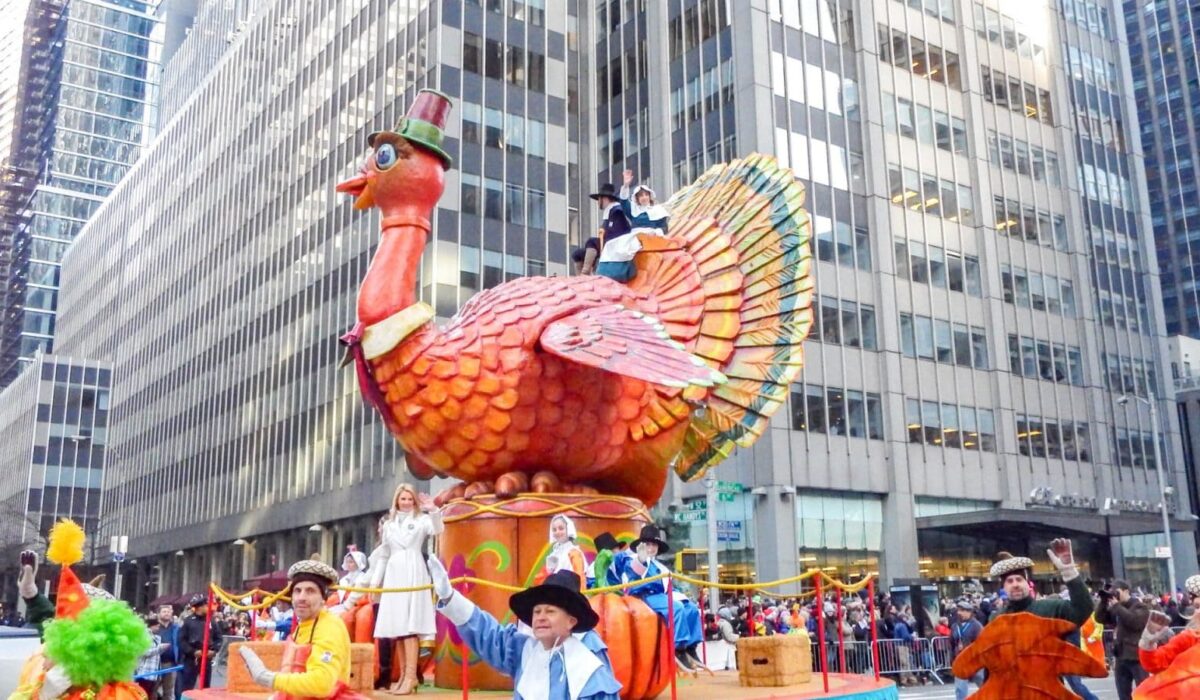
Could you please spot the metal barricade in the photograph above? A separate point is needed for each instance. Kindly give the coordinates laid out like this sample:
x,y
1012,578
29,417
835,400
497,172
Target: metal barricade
x,y
914,660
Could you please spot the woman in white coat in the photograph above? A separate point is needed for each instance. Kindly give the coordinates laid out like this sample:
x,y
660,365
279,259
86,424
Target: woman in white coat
x,y
399,562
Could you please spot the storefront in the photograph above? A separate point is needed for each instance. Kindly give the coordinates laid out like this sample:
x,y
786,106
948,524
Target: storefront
x,y
958,541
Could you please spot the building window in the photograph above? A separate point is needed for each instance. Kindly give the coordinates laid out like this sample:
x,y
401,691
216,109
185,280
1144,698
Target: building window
x,y
942,425
1039,437
839,533
931,195
1023,98
918,57
469,200
835,411
845,323
930,264
928,126
924,338
1030,224
1039,359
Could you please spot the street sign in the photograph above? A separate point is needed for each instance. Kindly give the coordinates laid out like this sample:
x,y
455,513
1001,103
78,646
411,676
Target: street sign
x,y
698,504
725,497
729,530
730,487
691,516
1162,552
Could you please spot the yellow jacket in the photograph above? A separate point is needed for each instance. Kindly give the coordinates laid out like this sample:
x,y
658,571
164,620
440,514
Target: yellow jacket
x,y
328,663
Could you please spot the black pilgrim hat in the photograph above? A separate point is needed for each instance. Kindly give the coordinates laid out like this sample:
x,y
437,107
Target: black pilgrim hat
x,y
560,589
605,540
606,190
651,534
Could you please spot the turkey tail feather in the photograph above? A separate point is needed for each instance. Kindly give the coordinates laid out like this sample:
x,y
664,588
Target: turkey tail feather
x,y
744,225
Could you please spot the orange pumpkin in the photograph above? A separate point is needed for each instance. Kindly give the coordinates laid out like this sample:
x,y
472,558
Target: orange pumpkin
x,y
638,645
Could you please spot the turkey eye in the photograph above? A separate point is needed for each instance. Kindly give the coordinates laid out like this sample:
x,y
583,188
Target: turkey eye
x,y
385,156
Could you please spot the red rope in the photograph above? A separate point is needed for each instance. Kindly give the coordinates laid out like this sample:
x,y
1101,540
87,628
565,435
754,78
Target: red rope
x,y
466,681
841,635
874,632
208,611
821,634
704,642
671,632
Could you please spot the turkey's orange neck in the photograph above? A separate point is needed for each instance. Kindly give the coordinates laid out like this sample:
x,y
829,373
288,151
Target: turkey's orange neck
x,y
391,281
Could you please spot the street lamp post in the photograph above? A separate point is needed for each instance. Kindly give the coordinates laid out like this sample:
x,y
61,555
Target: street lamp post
x,y
118,546
1152,402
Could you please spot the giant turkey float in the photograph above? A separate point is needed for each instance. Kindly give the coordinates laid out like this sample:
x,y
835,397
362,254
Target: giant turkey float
x,y
576,395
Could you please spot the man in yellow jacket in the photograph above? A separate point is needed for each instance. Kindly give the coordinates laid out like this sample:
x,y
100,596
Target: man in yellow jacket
x,y
316,662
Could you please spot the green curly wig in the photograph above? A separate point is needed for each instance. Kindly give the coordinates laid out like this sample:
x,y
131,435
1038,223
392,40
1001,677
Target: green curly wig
x,y
101,645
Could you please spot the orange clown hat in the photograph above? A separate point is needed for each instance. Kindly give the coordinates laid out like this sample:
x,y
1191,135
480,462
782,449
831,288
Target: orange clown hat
x,y
65,549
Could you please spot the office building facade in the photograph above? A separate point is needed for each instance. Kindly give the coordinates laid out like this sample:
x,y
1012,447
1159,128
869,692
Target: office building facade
x,y
54,423
985,287
88,89
1162,53
984,295
239,270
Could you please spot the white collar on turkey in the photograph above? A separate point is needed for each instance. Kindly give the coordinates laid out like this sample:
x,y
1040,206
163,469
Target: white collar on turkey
x,y
578,665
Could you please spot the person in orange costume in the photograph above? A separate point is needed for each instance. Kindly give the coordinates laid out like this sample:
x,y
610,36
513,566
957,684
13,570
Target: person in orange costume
x,y
564,553
354,608
1154,650
1091,639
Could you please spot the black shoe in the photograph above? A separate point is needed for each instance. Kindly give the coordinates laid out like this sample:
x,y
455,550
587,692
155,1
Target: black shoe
x,y
681,657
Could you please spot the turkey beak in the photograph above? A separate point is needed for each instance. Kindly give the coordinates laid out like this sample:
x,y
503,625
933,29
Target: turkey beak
x,y
359,187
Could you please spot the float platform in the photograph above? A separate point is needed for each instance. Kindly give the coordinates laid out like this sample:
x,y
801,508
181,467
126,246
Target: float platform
x,y
722,684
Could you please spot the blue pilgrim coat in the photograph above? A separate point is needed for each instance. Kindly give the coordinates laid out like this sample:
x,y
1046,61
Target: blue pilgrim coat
x,y
687,616
503,646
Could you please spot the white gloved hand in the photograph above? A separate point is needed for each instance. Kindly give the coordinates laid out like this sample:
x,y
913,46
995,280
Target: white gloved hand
x,y
1152,639
440,579
56,684
27,581
643,553
1063,559
258,670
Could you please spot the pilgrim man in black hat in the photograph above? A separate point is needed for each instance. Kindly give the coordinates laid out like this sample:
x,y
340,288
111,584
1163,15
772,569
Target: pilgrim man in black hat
x,y
557,656
615,261
637,563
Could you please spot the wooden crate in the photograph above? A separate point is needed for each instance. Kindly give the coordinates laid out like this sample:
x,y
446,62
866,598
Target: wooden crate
x,y
362,665
779,660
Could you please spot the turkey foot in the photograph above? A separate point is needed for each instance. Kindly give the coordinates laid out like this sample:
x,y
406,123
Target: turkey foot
x,y
510,485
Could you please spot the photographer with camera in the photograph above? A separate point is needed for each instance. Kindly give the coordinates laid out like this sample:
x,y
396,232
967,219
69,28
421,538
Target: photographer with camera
x,y
1121,609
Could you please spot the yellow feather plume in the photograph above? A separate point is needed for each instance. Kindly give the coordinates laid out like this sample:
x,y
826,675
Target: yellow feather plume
x,y
66,543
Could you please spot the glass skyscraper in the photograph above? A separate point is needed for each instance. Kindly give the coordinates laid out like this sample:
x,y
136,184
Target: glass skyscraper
x,y
981,260
1162,51
94,100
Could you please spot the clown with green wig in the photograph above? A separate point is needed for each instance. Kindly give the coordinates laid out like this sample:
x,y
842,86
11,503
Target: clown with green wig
x,y
91,648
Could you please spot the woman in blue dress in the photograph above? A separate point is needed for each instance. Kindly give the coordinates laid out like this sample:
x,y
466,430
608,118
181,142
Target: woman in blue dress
x,y
637,563
555,655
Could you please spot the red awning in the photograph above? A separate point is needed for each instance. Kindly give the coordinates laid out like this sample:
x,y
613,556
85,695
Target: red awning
x,y
274,582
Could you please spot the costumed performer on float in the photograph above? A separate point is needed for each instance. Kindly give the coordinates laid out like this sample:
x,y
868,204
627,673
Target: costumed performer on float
x,y
640,563
641,205
553,655
316,658
564,553
399,562
1047,659
92,645
354,607
1157,648
606,548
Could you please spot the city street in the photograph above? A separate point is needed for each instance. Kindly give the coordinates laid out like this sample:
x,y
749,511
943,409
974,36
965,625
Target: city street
x,y
1102,687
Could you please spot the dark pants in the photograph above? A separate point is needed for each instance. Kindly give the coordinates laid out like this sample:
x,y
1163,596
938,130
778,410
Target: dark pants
x,y
1128,673
387,652
191,677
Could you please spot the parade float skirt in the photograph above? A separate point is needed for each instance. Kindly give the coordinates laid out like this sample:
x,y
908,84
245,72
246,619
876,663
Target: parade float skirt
x,y
723,685
506,542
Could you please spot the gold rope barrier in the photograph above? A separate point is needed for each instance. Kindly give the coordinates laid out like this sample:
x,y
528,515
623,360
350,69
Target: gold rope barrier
x,y
231,599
